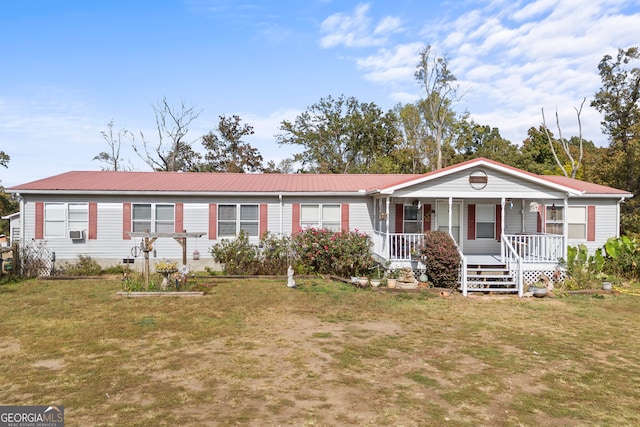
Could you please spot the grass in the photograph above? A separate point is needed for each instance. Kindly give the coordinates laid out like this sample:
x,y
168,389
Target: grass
x,y
253,352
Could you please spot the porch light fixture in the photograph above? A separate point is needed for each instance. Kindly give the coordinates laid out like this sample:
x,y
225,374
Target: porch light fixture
x,y
554,212
383,216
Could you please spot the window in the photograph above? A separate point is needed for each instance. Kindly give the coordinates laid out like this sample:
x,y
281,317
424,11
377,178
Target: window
x,y
233,218
320,216
78,215
555,219
153,218
412,220
576,221
485,221
54,220
61,217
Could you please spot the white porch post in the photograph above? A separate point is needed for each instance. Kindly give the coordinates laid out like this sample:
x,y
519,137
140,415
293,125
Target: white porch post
x,y
450,214
386,228
502,201
565,228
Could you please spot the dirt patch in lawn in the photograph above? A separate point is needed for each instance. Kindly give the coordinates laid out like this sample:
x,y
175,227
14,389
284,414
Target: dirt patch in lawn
x,y
256,353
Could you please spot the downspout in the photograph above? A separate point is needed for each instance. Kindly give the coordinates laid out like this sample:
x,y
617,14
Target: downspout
x,y
22,220
619,210
281,214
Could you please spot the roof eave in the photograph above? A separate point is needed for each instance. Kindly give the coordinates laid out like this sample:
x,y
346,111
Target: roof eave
x,y
192,193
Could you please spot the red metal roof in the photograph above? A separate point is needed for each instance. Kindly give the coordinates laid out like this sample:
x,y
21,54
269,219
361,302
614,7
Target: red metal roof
x,y
209,182
206,182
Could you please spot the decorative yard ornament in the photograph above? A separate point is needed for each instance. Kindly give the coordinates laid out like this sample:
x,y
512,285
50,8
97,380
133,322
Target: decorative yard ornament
x,y
534,207
290,282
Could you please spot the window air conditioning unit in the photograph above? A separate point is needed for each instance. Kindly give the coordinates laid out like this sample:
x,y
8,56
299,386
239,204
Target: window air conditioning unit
x,y
76,234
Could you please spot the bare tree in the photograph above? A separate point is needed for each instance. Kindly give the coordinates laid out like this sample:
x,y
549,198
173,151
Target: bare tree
x,y
172,152
111,158
565,144
441,93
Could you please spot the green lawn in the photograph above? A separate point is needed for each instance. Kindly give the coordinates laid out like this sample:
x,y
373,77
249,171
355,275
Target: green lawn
x,y
253,352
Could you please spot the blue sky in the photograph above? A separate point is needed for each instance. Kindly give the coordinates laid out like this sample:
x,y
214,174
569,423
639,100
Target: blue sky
x,y
69,67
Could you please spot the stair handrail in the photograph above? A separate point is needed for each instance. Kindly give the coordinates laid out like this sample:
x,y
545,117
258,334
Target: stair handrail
x,y
512,255
463,271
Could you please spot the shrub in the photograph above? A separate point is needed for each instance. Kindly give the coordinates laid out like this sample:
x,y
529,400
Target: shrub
x,y
274,254
84,266
237,256
343,253
623,257
442,259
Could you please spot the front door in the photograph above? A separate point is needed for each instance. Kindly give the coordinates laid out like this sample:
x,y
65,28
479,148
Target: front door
x,y
442,218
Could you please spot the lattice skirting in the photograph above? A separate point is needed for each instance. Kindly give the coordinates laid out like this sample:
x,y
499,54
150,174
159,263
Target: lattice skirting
x,y
532,276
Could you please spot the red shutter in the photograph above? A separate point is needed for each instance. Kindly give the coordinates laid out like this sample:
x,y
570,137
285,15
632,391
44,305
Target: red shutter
x,y
126,220
426,218
295,218
213,221
399,217
471,222
591,223
179,216
39,220
498,222
344,220
93,221
264,223
541,212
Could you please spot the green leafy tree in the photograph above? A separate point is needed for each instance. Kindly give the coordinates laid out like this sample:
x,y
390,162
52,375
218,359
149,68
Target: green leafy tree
x,y
536,155
341,135
8,205
227,152
475,140
618,99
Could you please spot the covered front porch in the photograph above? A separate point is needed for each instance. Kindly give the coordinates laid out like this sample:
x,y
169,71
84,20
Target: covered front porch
x,y
526,238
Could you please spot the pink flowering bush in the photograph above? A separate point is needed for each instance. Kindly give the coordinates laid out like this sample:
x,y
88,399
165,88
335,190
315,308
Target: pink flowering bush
x,y
342,253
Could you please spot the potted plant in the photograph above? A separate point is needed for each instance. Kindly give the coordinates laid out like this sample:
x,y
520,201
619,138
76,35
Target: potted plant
x,y
392,278
538,289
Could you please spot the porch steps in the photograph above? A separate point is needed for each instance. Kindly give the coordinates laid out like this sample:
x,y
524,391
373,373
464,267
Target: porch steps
x,y
490,278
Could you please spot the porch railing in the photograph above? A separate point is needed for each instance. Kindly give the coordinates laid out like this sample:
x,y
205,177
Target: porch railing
x,y
397,246
534,248
514,263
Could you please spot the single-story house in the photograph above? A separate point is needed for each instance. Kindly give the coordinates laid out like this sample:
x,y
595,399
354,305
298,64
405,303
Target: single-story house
x,y
510,225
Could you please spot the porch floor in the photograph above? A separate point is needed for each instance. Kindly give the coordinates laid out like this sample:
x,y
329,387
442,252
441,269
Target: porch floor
x,y
484,259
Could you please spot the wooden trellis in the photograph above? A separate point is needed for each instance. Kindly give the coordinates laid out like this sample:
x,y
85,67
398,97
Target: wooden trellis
x,y
147,245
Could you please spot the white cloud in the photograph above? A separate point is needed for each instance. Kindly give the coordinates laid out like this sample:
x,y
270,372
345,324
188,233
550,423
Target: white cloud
x,y
356,30
511,59
391,65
